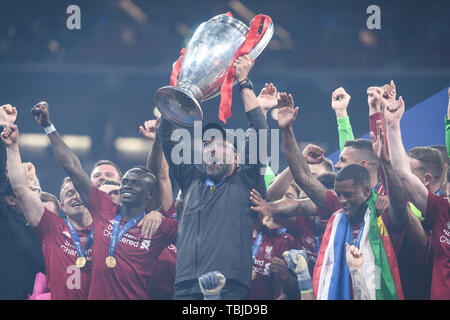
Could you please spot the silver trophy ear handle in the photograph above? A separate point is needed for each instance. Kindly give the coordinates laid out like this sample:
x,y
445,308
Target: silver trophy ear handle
x,y
264,41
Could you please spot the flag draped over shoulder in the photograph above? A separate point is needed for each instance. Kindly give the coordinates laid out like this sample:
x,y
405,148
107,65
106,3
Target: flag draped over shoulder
x,y
331,280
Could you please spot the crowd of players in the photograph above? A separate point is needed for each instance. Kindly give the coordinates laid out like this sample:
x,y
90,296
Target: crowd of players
x,y
379,228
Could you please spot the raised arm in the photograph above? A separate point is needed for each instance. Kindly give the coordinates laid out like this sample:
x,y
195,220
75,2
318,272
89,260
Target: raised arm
x,y
447,126
397,198
243,65
63,154
32,206
157,163
415,190
339,103
280,185
268,98
284,208
297,163
8,115
255,162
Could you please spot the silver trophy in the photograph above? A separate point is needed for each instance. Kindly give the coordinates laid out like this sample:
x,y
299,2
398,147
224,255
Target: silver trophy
x,y
205,63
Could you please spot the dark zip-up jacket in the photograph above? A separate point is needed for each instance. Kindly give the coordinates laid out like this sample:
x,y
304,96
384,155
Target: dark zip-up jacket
x,y
215,230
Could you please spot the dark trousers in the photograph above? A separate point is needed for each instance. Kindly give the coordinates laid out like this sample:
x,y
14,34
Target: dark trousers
x,y
190,290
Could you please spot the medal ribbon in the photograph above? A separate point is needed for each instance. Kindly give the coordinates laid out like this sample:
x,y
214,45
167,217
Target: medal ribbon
x,y
76,240
438,192
209,183
253,37
316,236
118,233
257,245
358,237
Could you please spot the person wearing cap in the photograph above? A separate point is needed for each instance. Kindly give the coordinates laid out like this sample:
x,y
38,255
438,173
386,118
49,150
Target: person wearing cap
x,y
216,223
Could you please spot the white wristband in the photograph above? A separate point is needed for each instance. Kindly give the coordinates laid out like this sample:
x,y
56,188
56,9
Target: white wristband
x,y
49,129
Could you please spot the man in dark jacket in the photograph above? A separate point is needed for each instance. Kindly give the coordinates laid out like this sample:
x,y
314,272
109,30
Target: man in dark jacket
x,y
216,224
20,251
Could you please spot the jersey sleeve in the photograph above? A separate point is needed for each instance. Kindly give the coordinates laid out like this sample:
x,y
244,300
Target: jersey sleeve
x,y
47,225
435,204
100,203
345,131
168,230
331,205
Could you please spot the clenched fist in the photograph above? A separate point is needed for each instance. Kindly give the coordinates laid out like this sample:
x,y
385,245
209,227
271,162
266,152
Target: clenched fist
x,y
8,114
10,135
41,113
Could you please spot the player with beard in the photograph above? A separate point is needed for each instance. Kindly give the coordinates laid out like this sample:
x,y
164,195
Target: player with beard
x,y
216,223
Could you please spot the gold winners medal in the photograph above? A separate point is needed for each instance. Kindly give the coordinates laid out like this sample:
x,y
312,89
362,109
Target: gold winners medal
x,y
111,262
212,189
81,262
253,274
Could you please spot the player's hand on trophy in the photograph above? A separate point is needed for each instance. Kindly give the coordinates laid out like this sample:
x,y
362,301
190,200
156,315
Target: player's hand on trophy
x,y
41,113
242,65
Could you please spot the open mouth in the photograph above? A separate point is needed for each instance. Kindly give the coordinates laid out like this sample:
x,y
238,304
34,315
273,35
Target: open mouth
x,y
126,193
77,204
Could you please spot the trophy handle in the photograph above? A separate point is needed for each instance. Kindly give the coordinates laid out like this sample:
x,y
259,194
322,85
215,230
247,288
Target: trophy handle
x,y
265,36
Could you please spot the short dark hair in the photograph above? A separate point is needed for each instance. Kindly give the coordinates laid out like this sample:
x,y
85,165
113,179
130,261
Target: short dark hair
x,y
365,151
109,162
151,185
327,179
430,160
443,150
328,165
354,172
296,188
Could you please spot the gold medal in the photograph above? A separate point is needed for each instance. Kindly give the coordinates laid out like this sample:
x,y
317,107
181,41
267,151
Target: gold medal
x,y
110,262
253,274
81,262
212,189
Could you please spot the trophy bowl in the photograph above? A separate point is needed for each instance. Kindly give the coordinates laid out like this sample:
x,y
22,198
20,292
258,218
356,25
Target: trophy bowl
x,y
205,63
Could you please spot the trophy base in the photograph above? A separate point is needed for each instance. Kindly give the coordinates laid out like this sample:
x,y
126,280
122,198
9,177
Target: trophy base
x,y
177,106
